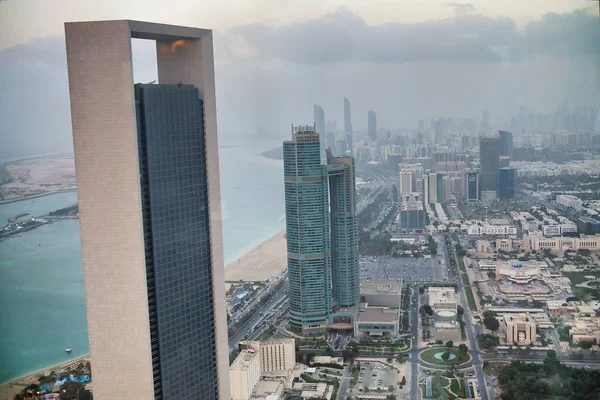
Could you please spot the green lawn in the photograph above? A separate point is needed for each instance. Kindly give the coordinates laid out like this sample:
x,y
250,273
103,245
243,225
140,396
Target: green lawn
x,y
470,298
580,277
429,356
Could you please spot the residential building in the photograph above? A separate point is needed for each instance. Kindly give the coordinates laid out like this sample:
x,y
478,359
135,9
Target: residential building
x,y
372,125
345,274
269,359
568,200
406,180
348,126
307,231
319,115
489,160
520,329
244,374
149,167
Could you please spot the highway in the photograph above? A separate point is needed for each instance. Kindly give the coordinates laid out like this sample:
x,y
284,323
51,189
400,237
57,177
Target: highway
x,y
414,350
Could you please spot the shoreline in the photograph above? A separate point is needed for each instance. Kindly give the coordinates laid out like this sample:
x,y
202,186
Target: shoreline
x,y
15,385
36,196
266,160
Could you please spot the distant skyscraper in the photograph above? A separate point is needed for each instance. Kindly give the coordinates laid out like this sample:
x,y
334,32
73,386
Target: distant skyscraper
x,y
472,189
489,160
485,119
330,141
345,276
372,119
507,182
506,144
430,188
341,146
307,226
320,128
348,125
149,206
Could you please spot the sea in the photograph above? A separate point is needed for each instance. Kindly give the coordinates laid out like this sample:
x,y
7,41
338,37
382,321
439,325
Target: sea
x,y
42,300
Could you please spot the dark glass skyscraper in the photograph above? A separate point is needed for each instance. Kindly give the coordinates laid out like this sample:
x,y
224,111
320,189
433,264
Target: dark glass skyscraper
x,y
472,186
149,212
489,160
176,233
345,277
506,144
348,125
372,121
307,226
507,180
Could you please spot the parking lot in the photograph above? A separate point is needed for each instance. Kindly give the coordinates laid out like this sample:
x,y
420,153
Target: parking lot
x,y
409,269
374,375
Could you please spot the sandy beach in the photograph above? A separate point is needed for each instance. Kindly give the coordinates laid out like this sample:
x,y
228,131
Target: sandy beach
x,y
8,390
261,263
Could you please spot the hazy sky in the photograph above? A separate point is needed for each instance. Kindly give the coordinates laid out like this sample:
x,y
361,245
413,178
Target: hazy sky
x,y
274,59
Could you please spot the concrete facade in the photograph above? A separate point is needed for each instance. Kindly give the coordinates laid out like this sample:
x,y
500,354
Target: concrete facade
x,y
105,142
520,329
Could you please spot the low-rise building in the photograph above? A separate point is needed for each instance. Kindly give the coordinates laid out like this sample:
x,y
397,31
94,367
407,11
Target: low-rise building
x,y
518,272
520,329
534,241
494,230
448,330
568,200
382,292
257,359
558,229
377,321
505,244
442,298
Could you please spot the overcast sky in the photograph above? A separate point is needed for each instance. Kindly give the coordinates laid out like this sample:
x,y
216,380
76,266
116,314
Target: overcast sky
x,y
274,59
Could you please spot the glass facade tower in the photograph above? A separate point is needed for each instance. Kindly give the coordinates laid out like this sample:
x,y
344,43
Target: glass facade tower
x,y
489,160
345,279
319,115
307,226
176,233
348,125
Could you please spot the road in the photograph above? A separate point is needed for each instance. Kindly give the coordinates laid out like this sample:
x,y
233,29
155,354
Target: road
x,y
256,318
414,350
477,362
345,382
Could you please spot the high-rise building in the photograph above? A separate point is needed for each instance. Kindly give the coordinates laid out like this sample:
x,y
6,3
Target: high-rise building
x,y
507,180
430,187
372,122
506,143
489,160
485,119
412,216
330,141
345,276
341,146
406,179
472,189
307,226
148,157
320,129
441,188
348,125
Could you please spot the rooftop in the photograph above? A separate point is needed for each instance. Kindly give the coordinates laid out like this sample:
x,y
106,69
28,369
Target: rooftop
x,y
381,286
377,314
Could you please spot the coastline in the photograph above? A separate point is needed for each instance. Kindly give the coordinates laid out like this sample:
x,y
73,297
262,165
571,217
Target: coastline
x,y
266,160
36,196
260,263
9,388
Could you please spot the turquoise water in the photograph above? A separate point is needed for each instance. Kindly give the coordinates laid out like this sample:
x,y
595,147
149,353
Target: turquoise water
x,y
42,302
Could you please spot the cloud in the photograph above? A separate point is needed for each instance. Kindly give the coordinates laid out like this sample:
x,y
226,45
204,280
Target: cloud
x,y
462,8
343,36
